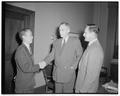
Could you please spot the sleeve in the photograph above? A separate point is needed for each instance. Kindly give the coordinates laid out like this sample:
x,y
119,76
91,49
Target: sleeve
x,y
50,56
24,64
95,60
78,53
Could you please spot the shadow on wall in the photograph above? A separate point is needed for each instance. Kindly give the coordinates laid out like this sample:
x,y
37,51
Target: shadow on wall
x,y
19,41
57,33
83,42
55,36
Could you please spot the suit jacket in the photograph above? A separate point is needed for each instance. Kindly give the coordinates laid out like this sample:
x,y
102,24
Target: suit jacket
x,y
89,68
66,58
25,69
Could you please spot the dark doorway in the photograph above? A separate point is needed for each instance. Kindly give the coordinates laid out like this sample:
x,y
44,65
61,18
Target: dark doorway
x,y
13,20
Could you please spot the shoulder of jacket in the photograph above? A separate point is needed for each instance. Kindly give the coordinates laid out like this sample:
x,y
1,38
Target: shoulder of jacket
x,y
75,39
95,48
20,49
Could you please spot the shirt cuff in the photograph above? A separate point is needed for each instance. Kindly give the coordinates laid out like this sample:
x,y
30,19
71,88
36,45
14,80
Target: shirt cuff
x,y
42,62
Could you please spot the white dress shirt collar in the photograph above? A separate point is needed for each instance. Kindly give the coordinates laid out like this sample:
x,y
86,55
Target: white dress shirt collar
x,y
92,42
66,39
28,46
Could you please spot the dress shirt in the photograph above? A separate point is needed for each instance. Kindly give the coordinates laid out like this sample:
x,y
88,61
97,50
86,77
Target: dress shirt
x,y
92,41
64,40
28,46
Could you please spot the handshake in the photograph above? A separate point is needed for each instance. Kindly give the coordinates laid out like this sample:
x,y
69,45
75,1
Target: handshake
x,y
42,64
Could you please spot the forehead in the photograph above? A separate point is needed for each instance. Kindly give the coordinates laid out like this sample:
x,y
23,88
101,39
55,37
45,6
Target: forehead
x,y
63,26
28,32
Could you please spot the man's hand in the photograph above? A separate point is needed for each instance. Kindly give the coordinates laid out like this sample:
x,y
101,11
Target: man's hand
x,y
42,64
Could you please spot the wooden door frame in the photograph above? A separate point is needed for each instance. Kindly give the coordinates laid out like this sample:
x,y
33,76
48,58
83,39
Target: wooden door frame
x,y
29,16
29,23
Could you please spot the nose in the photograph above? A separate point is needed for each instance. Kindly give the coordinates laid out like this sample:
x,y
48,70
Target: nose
x,y
84,34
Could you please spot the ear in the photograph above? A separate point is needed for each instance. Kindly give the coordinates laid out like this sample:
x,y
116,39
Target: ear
x,y
23,36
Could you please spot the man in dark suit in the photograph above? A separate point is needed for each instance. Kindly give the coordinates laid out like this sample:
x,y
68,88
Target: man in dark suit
x,y
24,82
66,52
90,63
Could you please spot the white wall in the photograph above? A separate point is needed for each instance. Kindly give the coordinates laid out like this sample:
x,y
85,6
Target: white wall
x,y
49,15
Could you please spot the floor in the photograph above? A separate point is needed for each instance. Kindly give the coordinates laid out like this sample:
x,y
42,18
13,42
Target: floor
x,y
41,90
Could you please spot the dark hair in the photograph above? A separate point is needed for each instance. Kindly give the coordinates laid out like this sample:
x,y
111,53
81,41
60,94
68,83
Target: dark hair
x,y
22,32
93,28
65,23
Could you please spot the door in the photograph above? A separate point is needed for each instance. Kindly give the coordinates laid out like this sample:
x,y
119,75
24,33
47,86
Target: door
x,y
14,19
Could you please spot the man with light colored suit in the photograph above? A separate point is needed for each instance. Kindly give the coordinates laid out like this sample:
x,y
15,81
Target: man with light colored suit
x,y
66,52
24,81
90,63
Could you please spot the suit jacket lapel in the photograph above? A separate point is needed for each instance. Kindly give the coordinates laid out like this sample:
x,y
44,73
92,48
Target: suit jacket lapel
x,y
60,46
26,49
63,46
89,48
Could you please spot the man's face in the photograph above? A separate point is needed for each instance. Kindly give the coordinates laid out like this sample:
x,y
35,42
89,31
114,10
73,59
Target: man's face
x,y
28,37
87,34
64,30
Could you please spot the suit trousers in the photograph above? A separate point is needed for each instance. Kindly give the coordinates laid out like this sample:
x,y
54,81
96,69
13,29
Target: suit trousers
x,y
65,87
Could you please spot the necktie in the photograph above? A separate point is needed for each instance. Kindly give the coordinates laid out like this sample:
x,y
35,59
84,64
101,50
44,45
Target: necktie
x,y
30,50
63,43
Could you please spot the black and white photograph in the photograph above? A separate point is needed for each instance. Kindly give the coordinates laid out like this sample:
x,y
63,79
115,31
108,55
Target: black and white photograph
x,y
59,47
